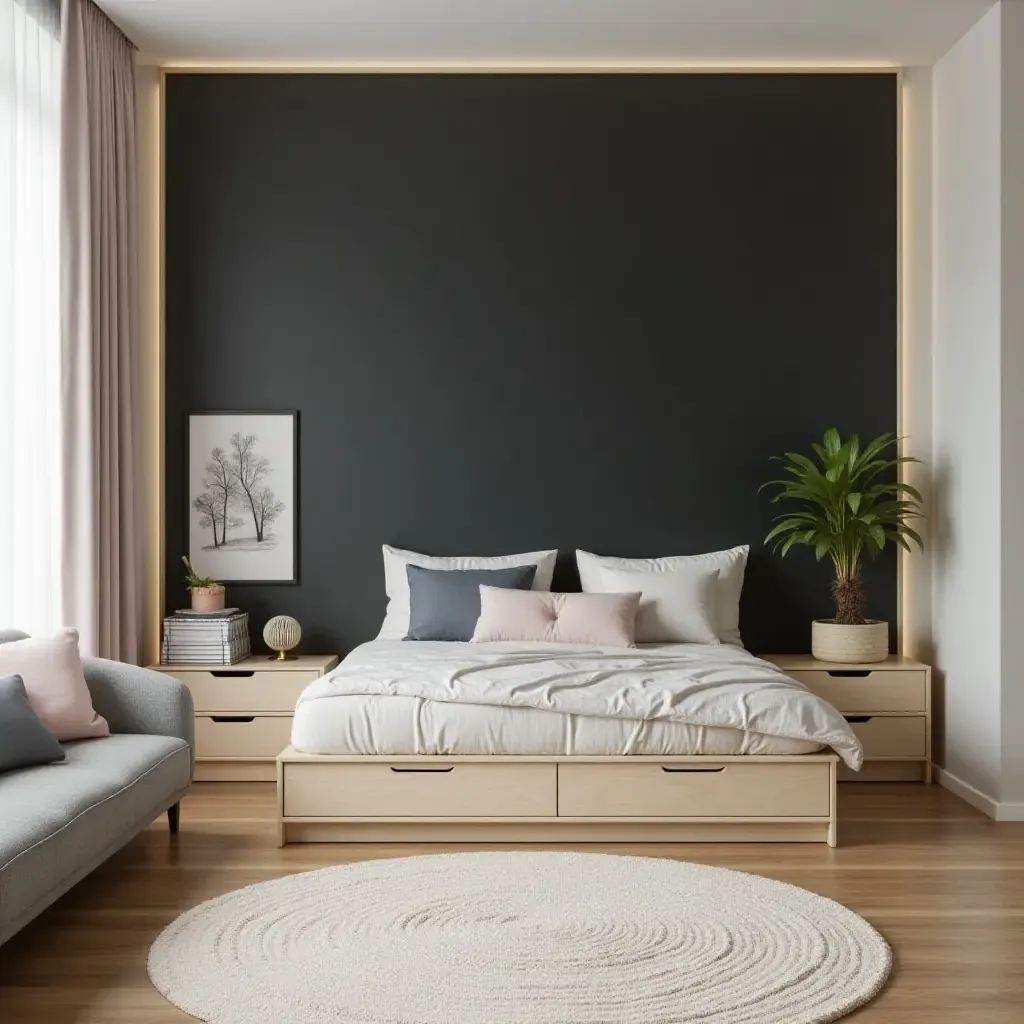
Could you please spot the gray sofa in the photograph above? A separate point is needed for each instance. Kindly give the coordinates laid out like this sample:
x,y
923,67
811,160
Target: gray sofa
x,y
60,821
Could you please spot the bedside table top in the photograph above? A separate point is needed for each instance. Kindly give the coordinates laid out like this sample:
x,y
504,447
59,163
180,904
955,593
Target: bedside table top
x,y
807,662
259,663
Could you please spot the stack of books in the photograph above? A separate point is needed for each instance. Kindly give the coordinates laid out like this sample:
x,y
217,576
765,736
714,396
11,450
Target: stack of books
x,y
205,638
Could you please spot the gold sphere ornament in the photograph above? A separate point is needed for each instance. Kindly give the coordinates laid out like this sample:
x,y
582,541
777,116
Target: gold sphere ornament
x,y
281,634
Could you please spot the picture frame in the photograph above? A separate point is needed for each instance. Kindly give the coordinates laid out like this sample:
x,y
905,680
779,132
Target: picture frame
x,y
241,495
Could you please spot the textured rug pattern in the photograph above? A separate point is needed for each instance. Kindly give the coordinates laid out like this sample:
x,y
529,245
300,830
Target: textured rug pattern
x,y
519,938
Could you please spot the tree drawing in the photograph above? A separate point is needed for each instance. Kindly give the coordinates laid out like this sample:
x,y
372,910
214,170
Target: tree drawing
x,y
266,509
234,489
222,481
249,470
209,514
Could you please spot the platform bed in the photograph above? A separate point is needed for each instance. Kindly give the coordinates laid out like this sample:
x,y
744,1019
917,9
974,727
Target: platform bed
x,y
490,798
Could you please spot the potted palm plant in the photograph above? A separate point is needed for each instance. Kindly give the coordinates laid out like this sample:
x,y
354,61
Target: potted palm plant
x,y
207,594
847,504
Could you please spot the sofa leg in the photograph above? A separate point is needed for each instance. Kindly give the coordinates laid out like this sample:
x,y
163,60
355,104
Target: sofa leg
x,y
172,817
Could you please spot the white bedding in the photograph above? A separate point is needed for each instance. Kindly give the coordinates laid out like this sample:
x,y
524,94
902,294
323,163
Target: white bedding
x,y
401,697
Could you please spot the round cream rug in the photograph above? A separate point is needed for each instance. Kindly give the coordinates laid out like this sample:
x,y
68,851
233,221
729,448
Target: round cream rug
x,y
519,938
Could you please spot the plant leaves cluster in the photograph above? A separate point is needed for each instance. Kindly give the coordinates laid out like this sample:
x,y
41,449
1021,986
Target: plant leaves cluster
x,y
848,501
196,582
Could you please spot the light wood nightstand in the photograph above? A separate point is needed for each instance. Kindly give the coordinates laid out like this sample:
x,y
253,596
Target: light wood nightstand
x,y
888,705
244,712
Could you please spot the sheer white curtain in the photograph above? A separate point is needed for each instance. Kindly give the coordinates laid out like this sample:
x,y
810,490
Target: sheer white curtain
x,y
30,457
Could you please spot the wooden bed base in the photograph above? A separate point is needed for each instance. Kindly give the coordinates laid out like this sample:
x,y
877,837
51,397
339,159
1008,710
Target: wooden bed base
x,y
489,798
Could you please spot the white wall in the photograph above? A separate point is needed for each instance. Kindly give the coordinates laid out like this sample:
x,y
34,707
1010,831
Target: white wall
x,y
977,551
966,404
1011,794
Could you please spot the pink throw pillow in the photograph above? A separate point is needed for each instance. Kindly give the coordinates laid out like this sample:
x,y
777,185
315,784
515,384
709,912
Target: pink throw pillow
x,y
608,620
51,669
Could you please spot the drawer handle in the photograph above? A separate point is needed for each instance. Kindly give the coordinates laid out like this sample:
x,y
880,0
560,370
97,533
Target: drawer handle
x,y
673,771
858,719
849,673
436,771
240,674
233,718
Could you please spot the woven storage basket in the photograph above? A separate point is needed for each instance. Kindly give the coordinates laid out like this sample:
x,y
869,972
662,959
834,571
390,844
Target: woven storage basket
x,y
853,645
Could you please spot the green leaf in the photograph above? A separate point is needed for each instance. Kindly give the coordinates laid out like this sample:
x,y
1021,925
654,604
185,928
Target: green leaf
x,y
854,452
898,538
786,526
853,500
793,539
906,488
913,535
876,532
832,442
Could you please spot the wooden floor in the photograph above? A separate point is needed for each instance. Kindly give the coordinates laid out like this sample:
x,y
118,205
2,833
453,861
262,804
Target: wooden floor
x,y
943,883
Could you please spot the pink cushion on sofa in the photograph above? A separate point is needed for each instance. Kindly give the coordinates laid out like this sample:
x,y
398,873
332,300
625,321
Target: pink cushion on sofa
x,y
608,620
51,669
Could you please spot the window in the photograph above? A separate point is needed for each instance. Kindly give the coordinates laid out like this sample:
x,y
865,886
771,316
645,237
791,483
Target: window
x,y
29,314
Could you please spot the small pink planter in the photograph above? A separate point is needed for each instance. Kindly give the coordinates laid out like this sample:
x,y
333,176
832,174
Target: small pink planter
x,y
208,599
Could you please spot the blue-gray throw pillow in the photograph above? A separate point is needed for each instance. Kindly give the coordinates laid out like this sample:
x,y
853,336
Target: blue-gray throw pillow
x,y
444,604
24,740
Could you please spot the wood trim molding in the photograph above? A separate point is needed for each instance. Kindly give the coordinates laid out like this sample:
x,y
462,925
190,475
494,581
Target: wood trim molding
x,y
526,67
150,114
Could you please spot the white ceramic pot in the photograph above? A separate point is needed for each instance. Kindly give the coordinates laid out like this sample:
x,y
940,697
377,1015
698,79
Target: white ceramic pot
x,y
852,645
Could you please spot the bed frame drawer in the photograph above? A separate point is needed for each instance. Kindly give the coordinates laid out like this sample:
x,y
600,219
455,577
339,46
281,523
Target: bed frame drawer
x,y
891,735
420,789
242,736
681,790
246,690
853,690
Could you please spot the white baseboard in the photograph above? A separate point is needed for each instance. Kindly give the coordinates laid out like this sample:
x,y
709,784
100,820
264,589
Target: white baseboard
x,y
986,804
1005,811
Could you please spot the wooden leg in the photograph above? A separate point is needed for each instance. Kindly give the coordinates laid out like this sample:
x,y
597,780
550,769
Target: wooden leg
x,y
832,838
173,814
282,832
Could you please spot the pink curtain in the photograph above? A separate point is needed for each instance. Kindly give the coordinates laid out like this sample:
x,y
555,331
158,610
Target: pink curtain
x,y
101,503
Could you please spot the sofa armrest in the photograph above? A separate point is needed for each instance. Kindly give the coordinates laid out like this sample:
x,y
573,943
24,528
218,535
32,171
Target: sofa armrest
x,y
137,700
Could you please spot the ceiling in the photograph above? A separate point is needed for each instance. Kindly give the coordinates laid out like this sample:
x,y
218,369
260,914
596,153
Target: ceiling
x,y
820,32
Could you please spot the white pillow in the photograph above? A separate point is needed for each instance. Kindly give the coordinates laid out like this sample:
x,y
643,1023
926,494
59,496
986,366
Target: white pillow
x,y
730,565
676,606
396,580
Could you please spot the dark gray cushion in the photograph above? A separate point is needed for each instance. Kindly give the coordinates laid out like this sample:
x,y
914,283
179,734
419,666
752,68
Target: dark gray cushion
x,y
444,604
24,740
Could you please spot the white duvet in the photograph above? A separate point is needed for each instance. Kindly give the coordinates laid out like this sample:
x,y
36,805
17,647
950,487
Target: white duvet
x,y
703,688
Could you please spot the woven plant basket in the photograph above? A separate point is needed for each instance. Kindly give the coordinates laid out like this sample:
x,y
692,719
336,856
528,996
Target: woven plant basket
x,y
850,645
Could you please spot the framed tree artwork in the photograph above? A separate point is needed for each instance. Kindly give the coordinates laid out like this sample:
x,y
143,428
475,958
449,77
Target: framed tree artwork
x,y
242,496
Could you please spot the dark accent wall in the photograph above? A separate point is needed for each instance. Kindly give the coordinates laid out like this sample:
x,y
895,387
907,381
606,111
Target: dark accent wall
x,y
527,311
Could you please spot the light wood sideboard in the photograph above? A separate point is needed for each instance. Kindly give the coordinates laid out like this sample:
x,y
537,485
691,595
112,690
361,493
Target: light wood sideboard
x,y
888,705
243,712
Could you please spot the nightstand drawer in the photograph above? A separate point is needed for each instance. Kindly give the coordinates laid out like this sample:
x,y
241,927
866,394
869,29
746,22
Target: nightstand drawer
x,y
245,736
246,690
891,736
862,690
